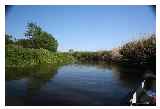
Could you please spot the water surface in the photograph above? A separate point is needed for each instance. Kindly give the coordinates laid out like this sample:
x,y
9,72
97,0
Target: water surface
x,y
74,84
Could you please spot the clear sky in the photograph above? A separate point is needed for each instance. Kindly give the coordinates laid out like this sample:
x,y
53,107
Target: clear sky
x,y
84,27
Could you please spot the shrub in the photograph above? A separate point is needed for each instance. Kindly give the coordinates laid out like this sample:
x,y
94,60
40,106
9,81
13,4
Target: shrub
x,y
27,56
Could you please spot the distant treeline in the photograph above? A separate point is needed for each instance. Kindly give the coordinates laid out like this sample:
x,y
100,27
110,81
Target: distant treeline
x,y
40,47
93,56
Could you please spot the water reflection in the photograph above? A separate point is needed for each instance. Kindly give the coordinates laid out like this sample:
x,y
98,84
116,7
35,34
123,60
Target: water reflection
x,y
75,84
28,80
127,75
43,72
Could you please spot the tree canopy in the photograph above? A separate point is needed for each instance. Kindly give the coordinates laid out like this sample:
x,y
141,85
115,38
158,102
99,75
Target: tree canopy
x,y
35,38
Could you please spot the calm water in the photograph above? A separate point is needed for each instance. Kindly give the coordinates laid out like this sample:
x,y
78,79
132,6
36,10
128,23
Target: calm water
x,y
75,84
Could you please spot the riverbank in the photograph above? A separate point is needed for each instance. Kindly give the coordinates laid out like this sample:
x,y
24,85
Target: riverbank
x,y
140,52
16,56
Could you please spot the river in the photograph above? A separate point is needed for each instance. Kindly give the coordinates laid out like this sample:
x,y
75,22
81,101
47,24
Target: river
x,y
73,84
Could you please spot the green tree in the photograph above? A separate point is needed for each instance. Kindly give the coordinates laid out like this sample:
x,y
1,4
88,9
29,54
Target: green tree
x,y
32,31
46,41
25,43
8,39
40,38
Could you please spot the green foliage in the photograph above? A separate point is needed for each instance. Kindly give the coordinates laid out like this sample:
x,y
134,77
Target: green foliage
x,y
27,56
40,47
37,38
32,30
25,43
46,41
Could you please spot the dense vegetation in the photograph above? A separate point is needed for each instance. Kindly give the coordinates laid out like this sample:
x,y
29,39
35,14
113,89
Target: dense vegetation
x,y
36,38
138,52
39,47
28,56
92,56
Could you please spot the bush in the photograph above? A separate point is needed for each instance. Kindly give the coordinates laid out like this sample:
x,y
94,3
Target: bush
x,y
27,56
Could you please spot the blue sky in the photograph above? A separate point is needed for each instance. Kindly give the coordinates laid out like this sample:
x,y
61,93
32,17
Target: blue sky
x,y
84,28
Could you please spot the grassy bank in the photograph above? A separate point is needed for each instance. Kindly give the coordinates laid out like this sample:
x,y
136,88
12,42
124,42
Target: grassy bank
x,y
28,56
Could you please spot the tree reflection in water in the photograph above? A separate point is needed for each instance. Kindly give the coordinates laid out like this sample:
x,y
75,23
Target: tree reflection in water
x,y
35,76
